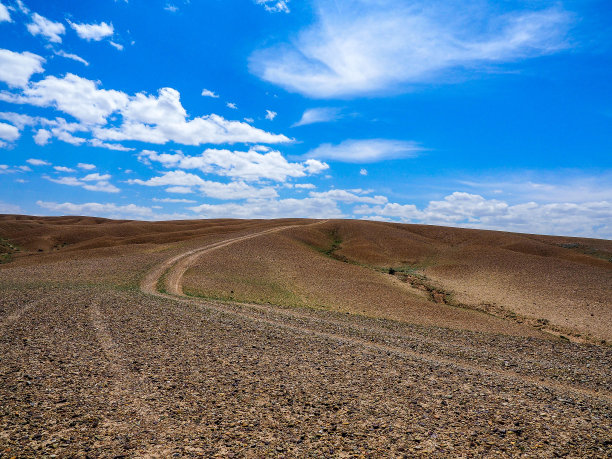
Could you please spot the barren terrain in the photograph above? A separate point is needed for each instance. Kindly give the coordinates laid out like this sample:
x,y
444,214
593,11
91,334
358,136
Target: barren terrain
x,y
299,338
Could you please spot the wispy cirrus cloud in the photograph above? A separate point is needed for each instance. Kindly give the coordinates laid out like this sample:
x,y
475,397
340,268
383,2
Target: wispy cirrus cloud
x,y
5,16
95,32
318,115
90,182
366,150
274,6
74,57
358,47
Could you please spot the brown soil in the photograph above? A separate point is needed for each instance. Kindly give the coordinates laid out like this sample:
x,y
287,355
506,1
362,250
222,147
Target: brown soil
x,y
95,361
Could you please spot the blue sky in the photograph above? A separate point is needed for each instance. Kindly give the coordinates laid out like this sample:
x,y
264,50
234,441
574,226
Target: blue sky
x,y
467,113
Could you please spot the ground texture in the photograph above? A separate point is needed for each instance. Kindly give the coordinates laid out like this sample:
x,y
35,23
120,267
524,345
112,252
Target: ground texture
x,y
103,354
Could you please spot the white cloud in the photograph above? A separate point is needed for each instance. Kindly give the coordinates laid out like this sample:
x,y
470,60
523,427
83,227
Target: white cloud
x,y
209,93
363,172
145,118
85,166
8,132
63,169
171,8
74,95
91,182
19,120
366,151
304,186
347,196
38,162
5,169
374,46
231,190
24,9
74,57
4,14
42,137
174,200
95,32
271,208
116,45
98,209
270,115
17,68
274,6
179,189
569,186
108,146
591,219
95,177
318,115
231,105
6,208
248,165
52,31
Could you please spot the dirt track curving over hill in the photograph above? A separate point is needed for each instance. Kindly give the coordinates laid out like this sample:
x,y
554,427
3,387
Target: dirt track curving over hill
x,y
96,361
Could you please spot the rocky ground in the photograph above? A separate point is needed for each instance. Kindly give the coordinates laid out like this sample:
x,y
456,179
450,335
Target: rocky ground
x,y
118,369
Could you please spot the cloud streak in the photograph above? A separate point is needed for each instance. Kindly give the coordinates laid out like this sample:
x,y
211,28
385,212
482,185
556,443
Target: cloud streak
x,y
380,46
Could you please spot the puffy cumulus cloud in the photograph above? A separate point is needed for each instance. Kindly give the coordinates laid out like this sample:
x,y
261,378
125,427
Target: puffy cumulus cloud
x,y
272,208
8,132
5,16
91,182
163,119
376,46
591,219
248,165
318,115
95,32
270,115
366,150
347,196
17,68
187,182
147,118
76,96
52,31
274,6
86,166
209,93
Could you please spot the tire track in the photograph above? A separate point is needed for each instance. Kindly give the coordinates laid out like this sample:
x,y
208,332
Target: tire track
x,y
127,386
16,315
175,268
